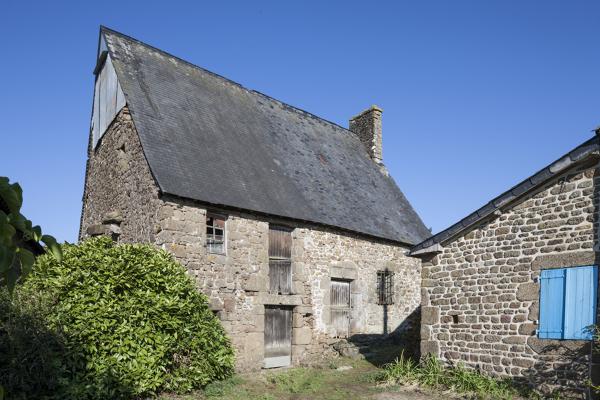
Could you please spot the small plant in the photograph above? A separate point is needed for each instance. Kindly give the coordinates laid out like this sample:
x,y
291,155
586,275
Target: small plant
x,y
432,373
404,369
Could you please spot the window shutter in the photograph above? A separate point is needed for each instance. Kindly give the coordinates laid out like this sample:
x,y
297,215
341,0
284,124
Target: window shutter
x,y
552,295
580,302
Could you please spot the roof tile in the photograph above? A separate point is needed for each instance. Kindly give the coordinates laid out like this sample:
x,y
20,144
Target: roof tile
x,y
210,139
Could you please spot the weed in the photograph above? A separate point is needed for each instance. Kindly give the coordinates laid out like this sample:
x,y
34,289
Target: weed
x,y
299,380
431,372
222,388
403,370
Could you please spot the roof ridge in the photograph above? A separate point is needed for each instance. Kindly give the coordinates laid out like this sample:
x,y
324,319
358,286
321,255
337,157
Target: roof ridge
x,y
184,113
540,177
239,85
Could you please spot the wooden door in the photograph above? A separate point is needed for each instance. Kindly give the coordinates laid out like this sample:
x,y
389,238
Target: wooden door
x,y
340,307
278,336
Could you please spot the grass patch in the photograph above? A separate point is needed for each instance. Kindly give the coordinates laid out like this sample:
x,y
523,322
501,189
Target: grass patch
x,y
430,372
298,380
324,382
222,388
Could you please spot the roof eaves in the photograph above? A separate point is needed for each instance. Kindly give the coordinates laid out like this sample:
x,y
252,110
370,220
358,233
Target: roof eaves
x,y
227,208
580,153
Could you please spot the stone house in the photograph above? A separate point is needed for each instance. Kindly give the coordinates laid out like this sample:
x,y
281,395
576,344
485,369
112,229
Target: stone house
x,y
290,224
512,287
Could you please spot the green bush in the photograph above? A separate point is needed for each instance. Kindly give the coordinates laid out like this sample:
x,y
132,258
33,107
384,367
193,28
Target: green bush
x,y
109,321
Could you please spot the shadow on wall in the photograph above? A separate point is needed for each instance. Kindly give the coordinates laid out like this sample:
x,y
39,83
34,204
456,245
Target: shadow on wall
x,y
380,349
561,363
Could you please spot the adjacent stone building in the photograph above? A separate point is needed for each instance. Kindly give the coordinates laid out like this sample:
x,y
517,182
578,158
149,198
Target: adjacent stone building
x,y
499,289
290,224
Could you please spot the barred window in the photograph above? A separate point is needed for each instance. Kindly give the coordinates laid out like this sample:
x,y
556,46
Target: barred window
x,y
385,287
215,234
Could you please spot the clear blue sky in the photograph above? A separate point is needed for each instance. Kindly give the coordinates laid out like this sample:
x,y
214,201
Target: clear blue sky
x,y
477,95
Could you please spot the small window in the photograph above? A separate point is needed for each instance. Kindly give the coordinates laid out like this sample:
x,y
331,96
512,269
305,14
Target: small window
x,y
215,234
385,287
568,302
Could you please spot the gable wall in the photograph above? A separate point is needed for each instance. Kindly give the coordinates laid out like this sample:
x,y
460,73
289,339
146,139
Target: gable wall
x,y
486,282
118,179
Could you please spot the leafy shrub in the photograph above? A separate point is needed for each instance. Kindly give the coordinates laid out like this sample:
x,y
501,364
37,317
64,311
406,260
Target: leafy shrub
x,y
32,357
109,321
19,238
432,373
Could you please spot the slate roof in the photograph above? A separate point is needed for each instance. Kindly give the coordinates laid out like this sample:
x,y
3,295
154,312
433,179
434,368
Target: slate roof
x,y
575,156
210,139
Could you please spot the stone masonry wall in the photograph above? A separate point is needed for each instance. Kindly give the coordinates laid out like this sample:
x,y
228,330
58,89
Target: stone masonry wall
x,y
322,255
119,182
120,186
237,283
480,295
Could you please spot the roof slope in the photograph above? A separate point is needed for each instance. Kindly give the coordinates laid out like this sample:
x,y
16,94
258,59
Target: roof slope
x,y
210,139
566,162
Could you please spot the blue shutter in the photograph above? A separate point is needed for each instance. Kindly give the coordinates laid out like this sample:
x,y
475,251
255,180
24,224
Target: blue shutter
x,y
552,291
580,302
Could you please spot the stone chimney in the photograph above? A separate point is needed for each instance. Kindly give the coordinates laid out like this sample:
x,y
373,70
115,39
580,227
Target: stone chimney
x,y
367,126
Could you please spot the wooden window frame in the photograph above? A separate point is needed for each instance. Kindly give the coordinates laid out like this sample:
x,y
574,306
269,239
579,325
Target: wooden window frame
x,y
385,287
211,236
280,258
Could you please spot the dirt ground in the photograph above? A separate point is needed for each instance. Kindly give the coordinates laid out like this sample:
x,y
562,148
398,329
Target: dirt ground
x,y
343,379
406,394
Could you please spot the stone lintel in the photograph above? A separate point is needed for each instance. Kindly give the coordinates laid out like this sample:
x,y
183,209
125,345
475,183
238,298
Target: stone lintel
x,y
343,273
563,260
279,299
